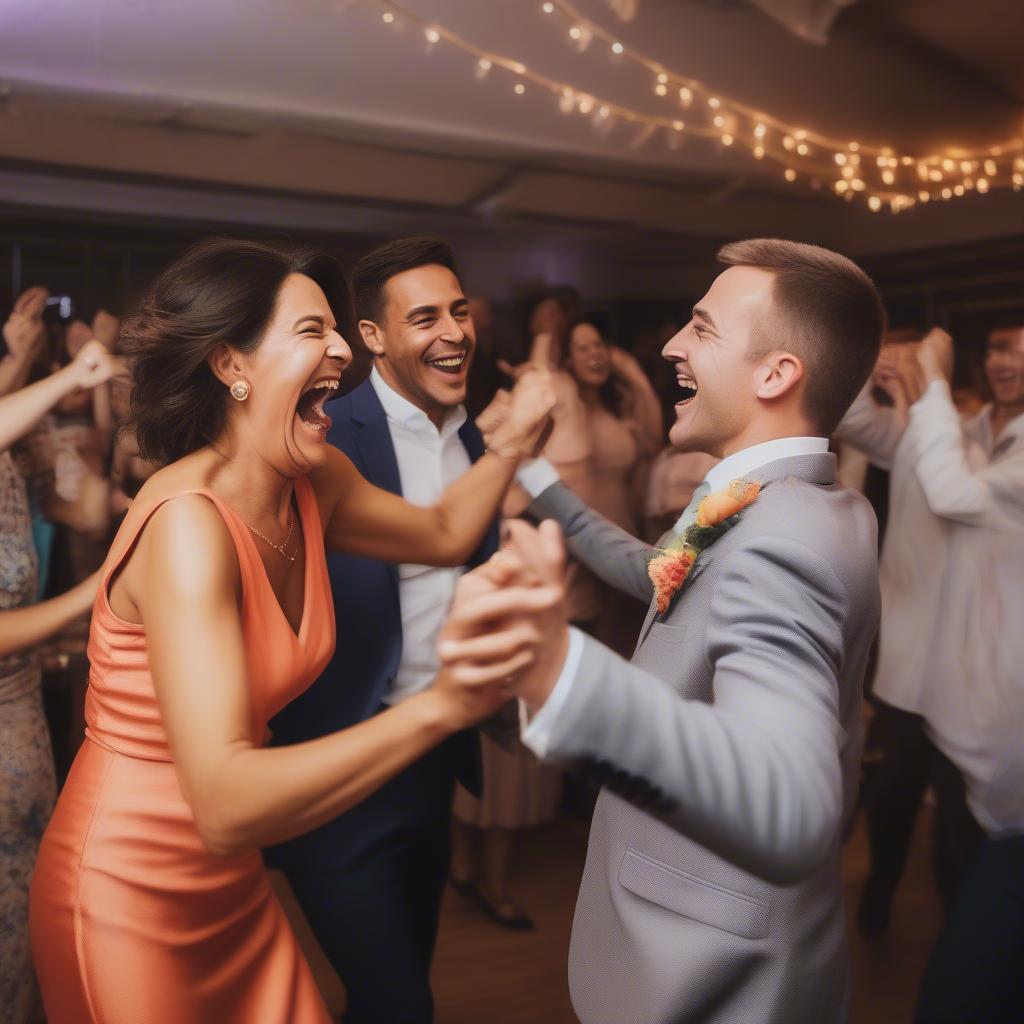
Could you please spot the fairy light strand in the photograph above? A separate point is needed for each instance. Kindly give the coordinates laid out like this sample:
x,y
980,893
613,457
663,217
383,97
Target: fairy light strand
x,y
805,154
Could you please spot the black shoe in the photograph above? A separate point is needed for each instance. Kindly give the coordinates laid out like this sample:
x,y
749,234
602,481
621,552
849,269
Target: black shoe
x,y
874,910
514,921
465,887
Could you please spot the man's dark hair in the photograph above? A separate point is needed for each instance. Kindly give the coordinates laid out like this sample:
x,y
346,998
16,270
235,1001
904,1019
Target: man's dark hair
x,y
221,291
825,310
376,268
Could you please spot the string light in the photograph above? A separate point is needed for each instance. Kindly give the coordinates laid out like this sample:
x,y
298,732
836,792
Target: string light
x,y
874,204
731,120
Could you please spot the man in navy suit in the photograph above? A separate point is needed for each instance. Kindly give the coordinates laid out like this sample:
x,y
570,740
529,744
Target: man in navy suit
x,y
370,882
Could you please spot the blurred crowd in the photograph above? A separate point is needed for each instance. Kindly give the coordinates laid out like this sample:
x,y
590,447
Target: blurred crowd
x,y
944,467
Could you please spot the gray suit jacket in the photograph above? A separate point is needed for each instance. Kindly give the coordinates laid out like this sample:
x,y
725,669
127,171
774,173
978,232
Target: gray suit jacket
x,y
728,750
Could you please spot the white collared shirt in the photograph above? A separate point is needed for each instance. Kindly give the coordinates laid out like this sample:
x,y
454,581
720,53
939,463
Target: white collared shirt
x,y
536,734
428,461
973,649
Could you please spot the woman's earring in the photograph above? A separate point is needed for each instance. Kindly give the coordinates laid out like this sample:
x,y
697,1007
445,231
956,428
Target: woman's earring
x,y
240,390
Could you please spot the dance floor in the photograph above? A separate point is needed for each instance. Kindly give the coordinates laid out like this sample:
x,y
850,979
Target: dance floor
x,y
484,975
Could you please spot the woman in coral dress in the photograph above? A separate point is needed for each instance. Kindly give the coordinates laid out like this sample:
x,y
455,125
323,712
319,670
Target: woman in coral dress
x,y
150,903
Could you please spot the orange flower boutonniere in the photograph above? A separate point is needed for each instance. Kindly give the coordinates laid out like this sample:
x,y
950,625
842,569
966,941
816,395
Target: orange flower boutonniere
x,y
670,567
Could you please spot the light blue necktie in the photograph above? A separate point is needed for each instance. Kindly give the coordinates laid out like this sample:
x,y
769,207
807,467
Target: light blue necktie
x,y
689,514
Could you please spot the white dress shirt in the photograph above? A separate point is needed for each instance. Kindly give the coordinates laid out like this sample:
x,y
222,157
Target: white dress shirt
x,y
914,553
428,461
536,732
973,700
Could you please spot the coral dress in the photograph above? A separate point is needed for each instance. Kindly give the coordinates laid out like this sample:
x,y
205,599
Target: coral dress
x,y
132,920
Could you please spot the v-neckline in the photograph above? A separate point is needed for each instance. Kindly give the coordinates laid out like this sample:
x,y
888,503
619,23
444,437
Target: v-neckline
x,y
297,636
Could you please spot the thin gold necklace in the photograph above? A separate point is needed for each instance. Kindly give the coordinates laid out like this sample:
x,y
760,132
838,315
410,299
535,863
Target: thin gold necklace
x,y
280,548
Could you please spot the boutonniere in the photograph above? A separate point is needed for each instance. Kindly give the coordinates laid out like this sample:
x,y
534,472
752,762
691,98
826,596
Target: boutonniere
x,y
670,567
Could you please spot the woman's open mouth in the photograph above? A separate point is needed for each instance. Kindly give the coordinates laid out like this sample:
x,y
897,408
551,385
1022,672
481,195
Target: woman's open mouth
x,y
310,408
451,363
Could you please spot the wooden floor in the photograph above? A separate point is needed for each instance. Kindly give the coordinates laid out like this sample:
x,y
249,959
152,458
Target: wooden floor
x,y
484,975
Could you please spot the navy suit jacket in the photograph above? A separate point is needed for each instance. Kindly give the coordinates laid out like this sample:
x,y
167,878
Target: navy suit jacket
x,y
366,605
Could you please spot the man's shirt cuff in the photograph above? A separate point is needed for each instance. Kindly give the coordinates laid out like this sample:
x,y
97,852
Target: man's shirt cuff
x,y
937,396
536,732
536,476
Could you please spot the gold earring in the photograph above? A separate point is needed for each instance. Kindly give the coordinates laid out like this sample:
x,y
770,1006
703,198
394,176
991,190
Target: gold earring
x,y
240,390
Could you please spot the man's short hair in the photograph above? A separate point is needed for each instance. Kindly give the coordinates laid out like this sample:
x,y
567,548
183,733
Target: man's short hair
x,y
376,268
825,310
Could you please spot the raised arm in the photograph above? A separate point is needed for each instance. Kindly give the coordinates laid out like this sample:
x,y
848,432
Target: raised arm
x,y
24,336
21,410
754,776
365,520
28,626
642,403
989,495
184,580
873,429
608,551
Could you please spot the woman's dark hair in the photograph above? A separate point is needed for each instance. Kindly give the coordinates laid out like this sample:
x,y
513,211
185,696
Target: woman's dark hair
x,y
222,291
612,392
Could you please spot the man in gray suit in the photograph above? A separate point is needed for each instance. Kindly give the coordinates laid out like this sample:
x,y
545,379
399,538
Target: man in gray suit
x,y
728,748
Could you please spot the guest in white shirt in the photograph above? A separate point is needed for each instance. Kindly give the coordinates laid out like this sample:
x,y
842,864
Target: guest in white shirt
x,y
900,760
973,478
370,882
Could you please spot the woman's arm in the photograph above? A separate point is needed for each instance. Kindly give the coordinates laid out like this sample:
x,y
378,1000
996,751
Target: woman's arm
x,y
20,411
184,580
26,627
365,520
643,404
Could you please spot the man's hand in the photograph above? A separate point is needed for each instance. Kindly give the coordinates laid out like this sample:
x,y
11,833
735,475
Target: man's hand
x,y
531,568
24,331
489,636
520,426
935,356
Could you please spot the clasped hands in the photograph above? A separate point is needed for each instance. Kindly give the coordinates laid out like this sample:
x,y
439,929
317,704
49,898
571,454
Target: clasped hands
x,y
507,631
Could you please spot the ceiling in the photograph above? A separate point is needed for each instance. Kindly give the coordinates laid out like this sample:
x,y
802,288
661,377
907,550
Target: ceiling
x,y
319,110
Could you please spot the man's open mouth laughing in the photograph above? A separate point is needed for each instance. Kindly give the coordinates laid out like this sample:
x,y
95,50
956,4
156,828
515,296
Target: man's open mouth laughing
x,y
688,386
452,363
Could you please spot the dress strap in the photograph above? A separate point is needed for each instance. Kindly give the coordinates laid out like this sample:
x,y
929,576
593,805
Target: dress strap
x,y
128,536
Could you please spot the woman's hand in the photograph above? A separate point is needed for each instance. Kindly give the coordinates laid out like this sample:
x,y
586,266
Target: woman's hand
x,y
95,365
491,635
24,331
106,329
509,630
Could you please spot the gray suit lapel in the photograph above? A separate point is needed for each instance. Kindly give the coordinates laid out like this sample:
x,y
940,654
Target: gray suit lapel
x,y
819,469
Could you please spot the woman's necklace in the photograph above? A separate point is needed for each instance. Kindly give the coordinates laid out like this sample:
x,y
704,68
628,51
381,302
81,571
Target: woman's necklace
x,y
280,548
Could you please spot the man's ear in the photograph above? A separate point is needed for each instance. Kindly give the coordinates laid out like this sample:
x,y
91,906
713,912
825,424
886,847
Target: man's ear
x,y
373,337
778,374
225,364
